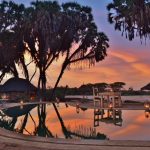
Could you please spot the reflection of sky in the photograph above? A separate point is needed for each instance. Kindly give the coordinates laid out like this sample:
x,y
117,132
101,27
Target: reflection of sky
x,y
127,61
134,126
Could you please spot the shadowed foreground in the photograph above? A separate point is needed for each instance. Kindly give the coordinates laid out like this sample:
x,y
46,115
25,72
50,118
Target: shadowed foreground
x,y
9,141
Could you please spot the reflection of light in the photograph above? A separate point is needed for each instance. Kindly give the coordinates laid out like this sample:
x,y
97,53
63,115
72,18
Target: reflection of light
x,y
77,108
57,101
4,96
147,113
21,106
147,109
111,112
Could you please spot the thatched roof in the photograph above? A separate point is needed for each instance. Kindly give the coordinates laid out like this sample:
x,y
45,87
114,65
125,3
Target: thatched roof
x,y
147,87
17,85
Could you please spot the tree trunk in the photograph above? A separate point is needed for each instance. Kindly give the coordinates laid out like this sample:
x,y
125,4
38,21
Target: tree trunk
x,y
42,83
58,80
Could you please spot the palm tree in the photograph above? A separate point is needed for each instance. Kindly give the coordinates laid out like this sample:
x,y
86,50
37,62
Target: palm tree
x,y
132,17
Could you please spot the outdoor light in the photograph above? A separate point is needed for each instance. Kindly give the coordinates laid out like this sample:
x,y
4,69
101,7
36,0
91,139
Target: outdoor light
x,y
110,105
21,104
146,105
32,97
4,96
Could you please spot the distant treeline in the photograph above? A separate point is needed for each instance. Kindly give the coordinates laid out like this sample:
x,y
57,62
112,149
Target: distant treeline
x,y
86,89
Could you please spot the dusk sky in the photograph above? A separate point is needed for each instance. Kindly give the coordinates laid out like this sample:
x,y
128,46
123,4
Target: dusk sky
x,y
126,61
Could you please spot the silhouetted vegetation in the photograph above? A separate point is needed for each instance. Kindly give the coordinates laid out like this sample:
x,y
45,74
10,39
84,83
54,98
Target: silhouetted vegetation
x,y
47,31
86,89
131,17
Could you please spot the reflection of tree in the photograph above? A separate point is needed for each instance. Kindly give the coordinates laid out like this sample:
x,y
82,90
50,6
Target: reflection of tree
x,y
42,129
7,123
113,117
8,119
24,124
10,123
64,129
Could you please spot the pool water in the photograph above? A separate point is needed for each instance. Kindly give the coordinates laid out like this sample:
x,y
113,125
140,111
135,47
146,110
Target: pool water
x,y
65,121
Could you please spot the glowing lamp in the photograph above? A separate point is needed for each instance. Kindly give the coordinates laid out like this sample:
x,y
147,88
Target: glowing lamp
x,y
21,104
146,105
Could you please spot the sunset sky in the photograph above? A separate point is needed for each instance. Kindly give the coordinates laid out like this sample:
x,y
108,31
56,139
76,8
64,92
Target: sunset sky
x,y
126,61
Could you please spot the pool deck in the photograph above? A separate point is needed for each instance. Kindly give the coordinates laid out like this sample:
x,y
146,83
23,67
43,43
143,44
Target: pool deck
x,y
15,141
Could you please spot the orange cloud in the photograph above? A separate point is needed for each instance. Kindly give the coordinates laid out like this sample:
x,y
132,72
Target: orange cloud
x,y
124,56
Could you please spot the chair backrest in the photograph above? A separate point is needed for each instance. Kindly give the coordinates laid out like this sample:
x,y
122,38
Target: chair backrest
x,y
95,91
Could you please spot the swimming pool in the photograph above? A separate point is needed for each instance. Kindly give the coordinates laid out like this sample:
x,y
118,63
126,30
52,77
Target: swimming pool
x,y
65,121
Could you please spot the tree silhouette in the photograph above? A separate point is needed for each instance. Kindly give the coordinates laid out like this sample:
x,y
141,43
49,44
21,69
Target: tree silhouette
x,y
91,44
131,17
55,28
117,86
12,47
47,31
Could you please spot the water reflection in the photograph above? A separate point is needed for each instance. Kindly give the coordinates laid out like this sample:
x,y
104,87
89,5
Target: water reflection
x,y
64,121
9,119
110,116
147,109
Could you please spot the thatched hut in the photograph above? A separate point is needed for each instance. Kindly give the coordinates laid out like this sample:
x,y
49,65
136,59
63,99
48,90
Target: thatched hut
x,y
16,88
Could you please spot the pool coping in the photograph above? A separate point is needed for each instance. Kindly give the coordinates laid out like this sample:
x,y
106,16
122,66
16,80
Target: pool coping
x,y
11,138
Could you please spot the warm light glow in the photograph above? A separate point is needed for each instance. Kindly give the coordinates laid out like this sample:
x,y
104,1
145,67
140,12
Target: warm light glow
x,y
77,108
147,105
21,102
147,113
110,106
